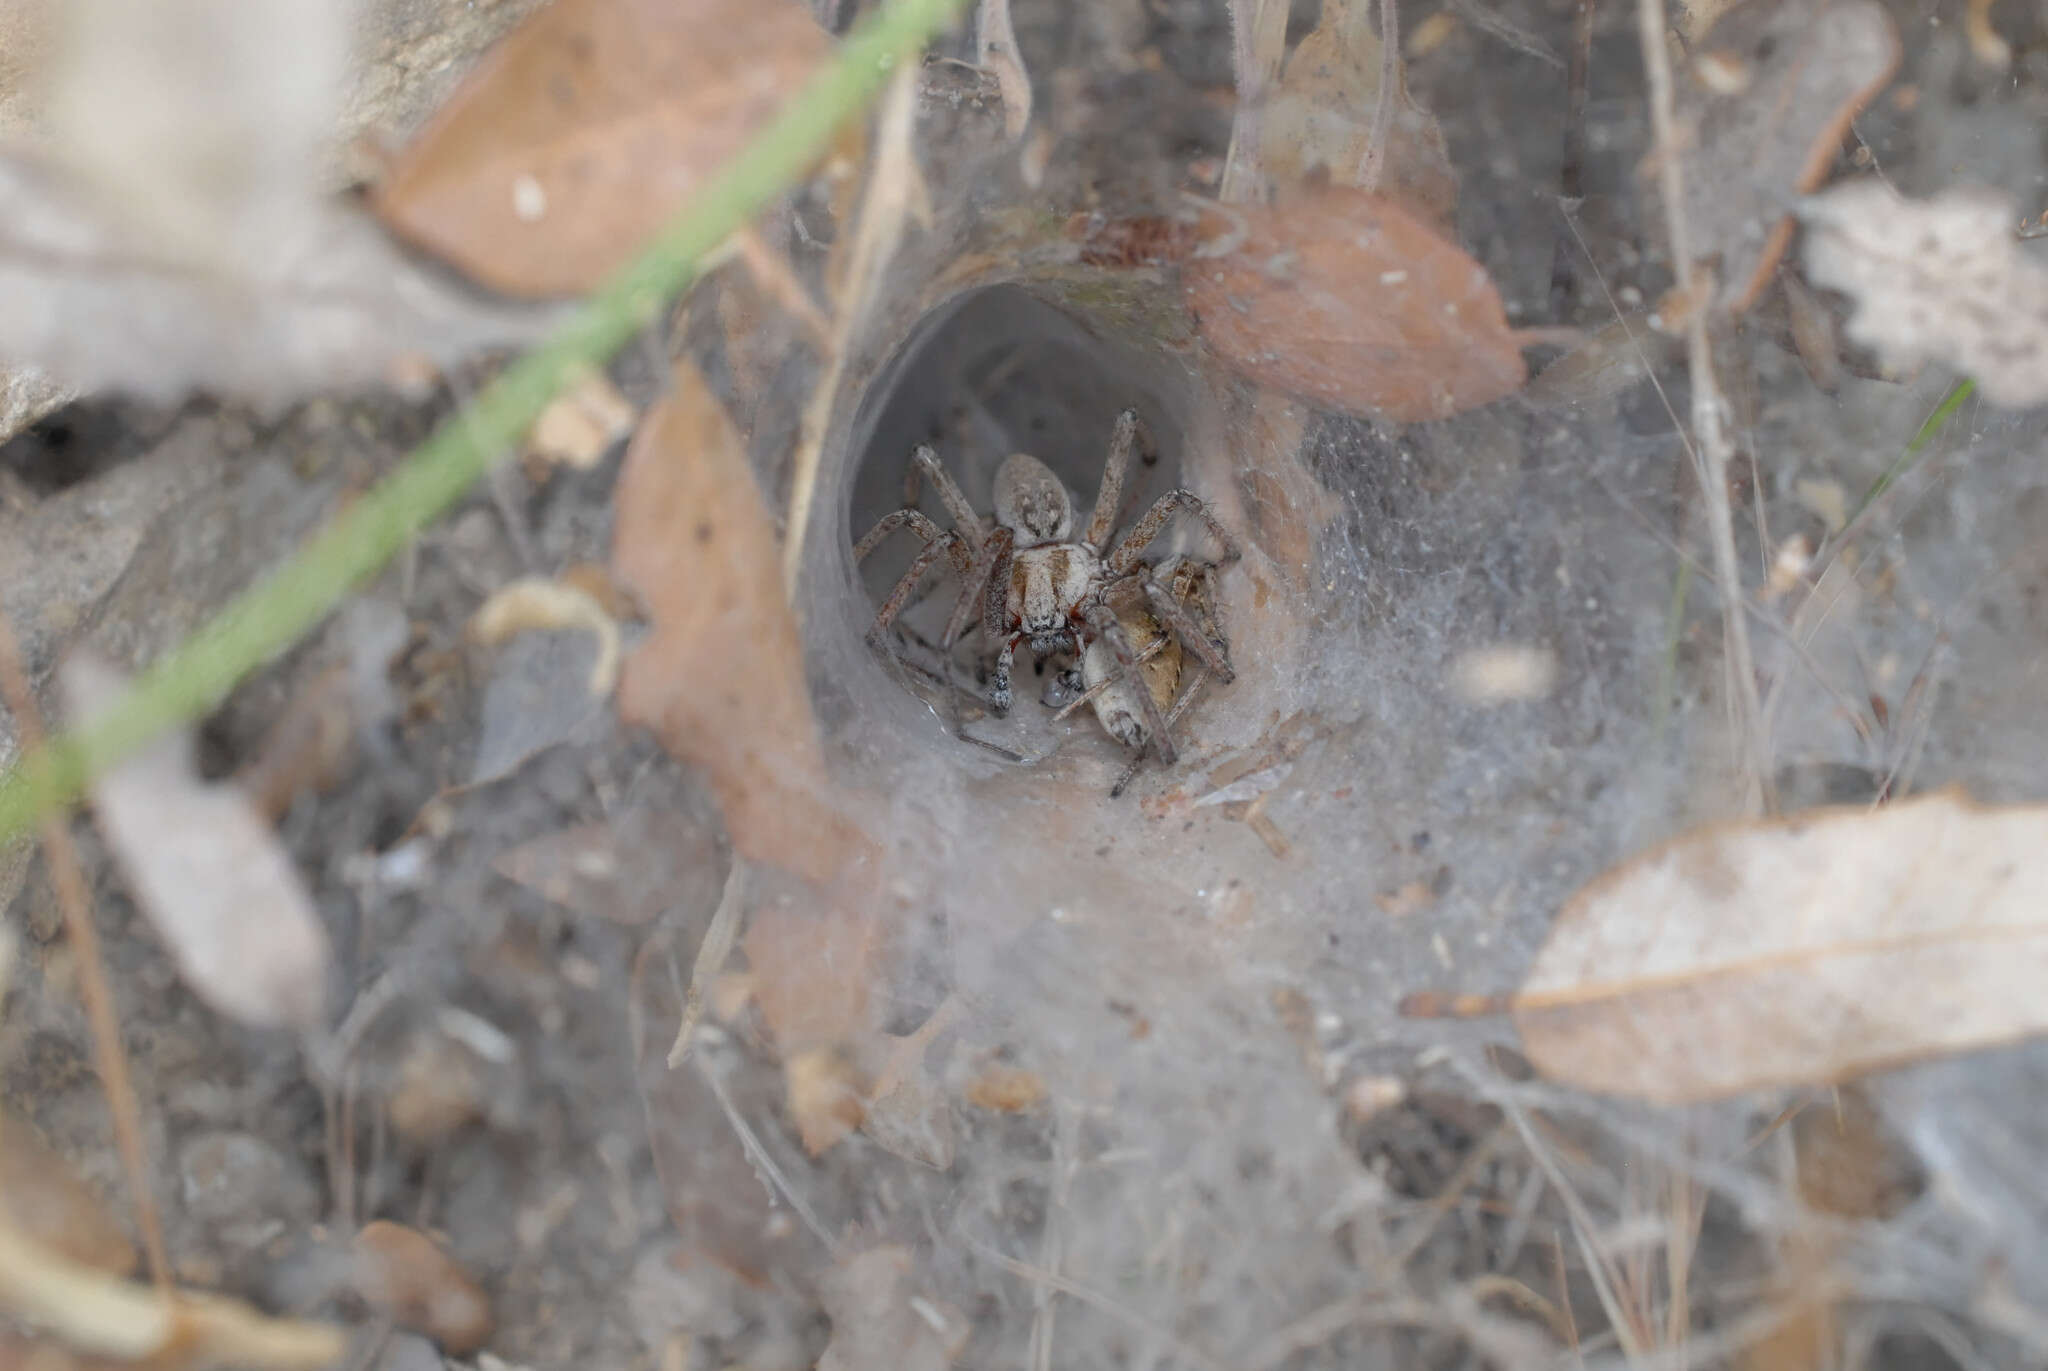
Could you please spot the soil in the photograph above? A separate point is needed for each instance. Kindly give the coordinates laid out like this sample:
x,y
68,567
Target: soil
x,y
1243,1134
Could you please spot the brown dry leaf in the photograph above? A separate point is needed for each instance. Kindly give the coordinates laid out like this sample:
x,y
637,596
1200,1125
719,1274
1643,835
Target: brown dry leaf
x,y
878,1318
720,679
812,972
629,869
1319,123
1797,951
579,426
44,1198
209,873
1351,301
406,1273
1941,280
587,127
1774,86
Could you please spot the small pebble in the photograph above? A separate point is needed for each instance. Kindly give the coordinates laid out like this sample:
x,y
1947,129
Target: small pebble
x,y
407,1274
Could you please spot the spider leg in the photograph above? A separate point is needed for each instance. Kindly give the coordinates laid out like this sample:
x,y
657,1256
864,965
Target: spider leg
x,y
1103,521
1088,696
1193,634
907,585
991,562
999,688
1104,621
1180,707
965,521
917,523
1133,544
937,543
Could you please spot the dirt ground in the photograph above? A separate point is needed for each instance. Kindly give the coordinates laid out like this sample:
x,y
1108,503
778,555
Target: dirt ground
x,y
1240,1153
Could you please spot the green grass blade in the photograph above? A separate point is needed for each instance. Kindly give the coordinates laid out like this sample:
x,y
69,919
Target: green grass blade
x,y
267,619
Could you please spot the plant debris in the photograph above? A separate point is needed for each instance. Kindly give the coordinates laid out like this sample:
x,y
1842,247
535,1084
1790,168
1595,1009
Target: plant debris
x,y
585,128
720,679
535,603
878,1318
1351,301
210,874
1940,280
1775,85
1797,951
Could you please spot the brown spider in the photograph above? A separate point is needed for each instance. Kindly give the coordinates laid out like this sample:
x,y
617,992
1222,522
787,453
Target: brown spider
x,y
1029,580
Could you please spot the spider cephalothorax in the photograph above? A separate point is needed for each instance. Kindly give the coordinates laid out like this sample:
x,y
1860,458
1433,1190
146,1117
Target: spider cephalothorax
x,y
1029,580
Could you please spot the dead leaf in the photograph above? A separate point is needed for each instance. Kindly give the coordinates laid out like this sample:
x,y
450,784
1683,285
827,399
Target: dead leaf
x,y
584,129
1941,280
629,869
878,1318
403,1271
1775,85
1319,123
326,302
812,973
1797,951
914,1121
1353,302
579,426
720,679
209,873
44,1198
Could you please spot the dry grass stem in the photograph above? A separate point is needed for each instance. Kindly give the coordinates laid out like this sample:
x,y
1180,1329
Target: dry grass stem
x,y
102,1315
895,194
712,954
1712,441
74,897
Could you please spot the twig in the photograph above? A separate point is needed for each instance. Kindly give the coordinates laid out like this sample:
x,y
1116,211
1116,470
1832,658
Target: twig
x,y
104,1315
772,1180
1706,416
1258,46
263,621
995,48
1374,163
895,191
110,1058
711,957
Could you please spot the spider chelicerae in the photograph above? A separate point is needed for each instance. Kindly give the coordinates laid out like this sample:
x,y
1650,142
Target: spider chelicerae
x,y
1125,625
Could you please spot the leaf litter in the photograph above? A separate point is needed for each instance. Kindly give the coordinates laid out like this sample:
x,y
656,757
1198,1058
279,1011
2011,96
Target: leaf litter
x,y
1774,85
1797,951
644,100
210,874
812,1019
174,226
1942,280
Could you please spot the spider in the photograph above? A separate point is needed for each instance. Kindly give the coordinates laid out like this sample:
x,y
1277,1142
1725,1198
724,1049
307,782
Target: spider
x,y
1029,580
